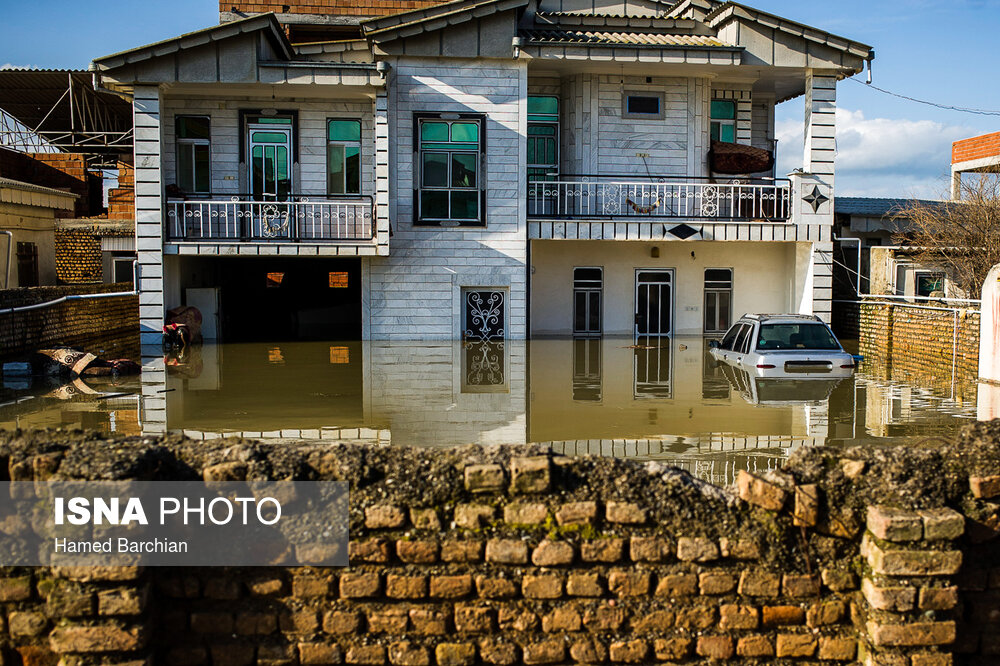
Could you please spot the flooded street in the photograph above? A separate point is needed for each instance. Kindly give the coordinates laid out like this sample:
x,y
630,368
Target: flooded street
x,y
665,400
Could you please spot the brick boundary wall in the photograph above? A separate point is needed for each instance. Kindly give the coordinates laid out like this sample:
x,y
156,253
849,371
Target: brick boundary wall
x,y
512,555
975,148
108,327
78,256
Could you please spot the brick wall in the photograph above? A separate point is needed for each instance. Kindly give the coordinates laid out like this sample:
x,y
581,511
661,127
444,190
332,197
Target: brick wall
x,y
61,171
106,326
510,555
121,199
978,147
912,344
78,256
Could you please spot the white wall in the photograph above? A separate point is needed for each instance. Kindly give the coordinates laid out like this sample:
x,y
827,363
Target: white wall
x,y
415,292
763,279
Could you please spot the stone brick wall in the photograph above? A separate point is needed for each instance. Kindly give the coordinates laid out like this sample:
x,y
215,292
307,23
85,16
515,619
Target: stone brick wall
x,y
908,343
78,256
106,326
511,555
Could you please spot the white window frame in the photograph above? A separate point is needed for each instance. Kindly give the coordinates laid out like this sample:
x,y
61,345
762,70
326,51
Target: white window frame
x,y
352,144
186,141
717,290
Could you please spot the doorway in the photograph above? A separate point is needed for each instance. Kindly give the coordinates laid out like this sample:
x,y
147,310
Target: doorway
x,y
653,302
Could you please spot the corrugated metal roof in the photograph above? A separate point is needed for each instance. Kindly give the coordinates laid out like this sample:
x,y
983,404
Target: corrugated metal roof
x,y
615,37
877,206
596,15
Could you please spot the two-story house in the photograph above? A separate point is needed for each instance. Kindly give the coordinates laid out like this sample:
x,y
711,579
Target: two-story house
x,y
485,169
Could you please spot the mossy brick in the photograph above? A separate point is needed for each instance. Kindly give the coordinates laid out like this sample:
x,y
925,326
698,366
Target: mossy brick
x,y
473,619
755,646
892,562
375,551
806,501
405,587
893,524
715,647
627,513
603,619
759,584
266,586
825,613
911,634
123,600
695,617
839,580
550,553
577,513
507,551
931,659
672,649
587,652
798,585
542,587
530,474
365,655
716,583
484,478
388,620
629,583
233,654
985,487
359,585
455,654
26,623
384,516
782,616
256,623
462,550
408,653
418,551
628,652
65,599
425,519
888,597
496,588
473,516
562,619
498,652
15,589
274,654
310,585
652,622
837,648
525,513
305,621
760,492
677,585
96,639
339,622
795,645
584,585
513,618
98,574
938,598
738,616
450,587
697,549
545,652
649,549
428,621
739,549
602,550
942,524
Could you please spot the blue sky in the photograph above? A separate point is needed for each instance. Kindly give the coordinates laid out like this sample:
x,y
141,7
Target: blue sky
x,y
938,51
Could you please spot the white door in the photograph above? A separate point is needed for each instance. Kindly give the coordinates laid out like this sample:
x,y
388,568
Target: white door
x,y
207,302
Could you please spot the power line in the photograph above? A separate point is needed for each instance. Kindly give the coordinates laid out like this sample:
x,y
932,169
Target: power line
x,y
963,109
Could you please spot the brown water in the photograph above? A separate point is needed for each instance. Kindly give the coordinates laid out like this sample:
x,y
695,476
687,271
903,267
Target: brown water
x,y
666,401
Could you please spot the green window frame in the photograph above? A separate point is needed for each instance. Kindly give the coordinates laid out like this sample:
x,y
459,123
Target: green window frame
x,y
449,189
723,121
193,136
343,156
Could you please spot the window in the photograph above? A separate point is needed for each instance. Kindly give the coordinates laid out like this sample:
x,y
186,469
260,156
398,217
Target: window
x,y
450,154
929,284
587,369
587,285
718,299
122,269
643,105
724,120
338,280
27,265
194,146
796,336
484,314
543,136
274,280
343,156
742,343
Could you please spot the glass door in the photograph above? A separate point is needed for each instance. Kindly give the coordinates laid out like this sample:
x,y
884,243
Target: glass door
x,y
653,302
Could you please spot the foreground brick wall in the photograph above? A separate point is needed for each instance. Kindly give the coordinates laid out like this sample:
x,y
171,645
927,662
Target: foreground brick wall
x,y
510,555
106,326
907,343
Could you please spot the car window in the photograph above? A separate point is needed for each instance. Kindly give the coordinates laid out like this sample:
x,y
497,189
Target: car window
x,y
742,339
729,337
796,336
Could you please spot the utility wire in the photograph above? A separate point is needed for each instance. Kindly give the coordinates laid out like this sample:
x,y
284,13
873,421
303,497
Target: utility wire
x,y
963,109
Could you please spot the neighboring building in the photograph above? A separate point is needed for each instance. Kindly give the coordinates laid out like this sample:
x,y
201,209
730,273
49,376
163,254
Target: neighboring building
x,y
980,154
28,215
484,169
898,271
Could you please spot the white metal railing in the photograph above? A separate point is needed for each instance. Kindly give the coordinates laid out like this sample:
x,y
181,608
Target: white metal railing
x,y
300,218
568,196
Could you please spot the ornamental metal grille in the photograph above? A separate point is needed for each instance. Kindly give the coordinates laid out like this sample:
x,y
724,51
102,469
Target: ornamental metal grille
x,y
485,314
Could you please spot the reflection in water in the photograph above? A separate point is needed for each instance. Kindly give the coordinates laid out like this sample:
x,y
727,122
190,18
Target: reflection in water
x,y
649,398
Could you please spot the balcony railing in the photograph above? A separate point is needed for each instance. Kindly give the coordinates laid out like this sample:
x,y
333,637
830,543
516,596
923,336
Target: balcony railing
x,y
574,197
301,218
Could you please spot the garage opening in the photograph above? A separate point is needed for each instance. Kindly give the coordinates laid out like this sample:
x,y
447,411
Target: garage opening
x,y
278,300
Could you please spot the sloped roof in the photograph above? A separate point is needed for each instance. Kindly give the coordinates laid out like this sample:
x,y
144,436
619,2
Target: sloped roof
x,y
878,206
616,37
416,21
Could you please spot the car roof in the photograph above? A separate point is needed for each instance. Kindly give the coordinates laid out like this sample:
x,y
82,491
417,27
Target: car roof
x,y
779,318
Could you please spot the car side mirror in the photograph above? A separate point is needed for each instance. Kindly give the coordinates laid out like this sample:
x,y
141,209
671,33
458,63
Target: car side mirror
x,y
713,344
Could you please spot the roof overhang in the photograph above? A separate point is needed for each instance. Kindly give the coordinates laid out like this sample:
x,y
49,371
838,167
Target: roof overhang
x,y
53,198
417,21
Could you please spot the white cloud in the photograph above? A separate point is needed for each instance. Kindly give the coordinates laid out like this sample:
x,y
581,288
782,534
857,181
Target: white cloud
x,y
8,65
881,156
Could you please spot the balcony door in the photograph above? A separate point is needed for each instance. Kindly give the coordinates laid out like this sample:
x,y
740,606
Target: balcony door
x,y
270,150
653,302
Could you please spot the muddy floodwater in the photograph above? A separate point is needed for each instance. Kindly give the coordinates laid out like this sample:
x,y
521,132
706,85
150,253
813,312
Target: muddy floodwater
x,y
658,399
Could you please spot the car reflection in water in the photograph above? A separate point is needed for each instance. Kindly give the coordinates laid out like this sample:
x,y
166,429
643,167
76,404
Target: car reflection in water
x,y
779,391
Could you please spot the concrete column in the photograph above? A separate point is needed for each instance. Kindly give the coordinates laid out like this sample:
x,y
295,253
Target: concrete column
x,y
956,184
382,172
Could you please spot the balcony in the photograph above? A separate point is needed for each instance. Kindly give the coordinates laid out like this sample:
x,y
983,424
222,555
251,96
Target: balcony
x,y
299,219
658,198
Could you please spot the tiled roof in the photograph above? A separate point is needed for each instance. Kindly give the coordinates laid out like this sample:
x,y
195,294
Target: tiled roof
x,y
634,38
876,206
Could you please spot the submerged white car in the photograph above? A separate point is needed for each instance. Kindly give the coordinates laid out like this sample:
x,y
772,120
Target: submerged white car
x,y
783,346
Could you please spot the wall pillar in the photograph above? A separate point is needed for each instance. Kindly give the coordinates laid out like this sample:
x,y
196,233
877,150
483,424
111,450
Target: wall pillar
x,y
382,172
